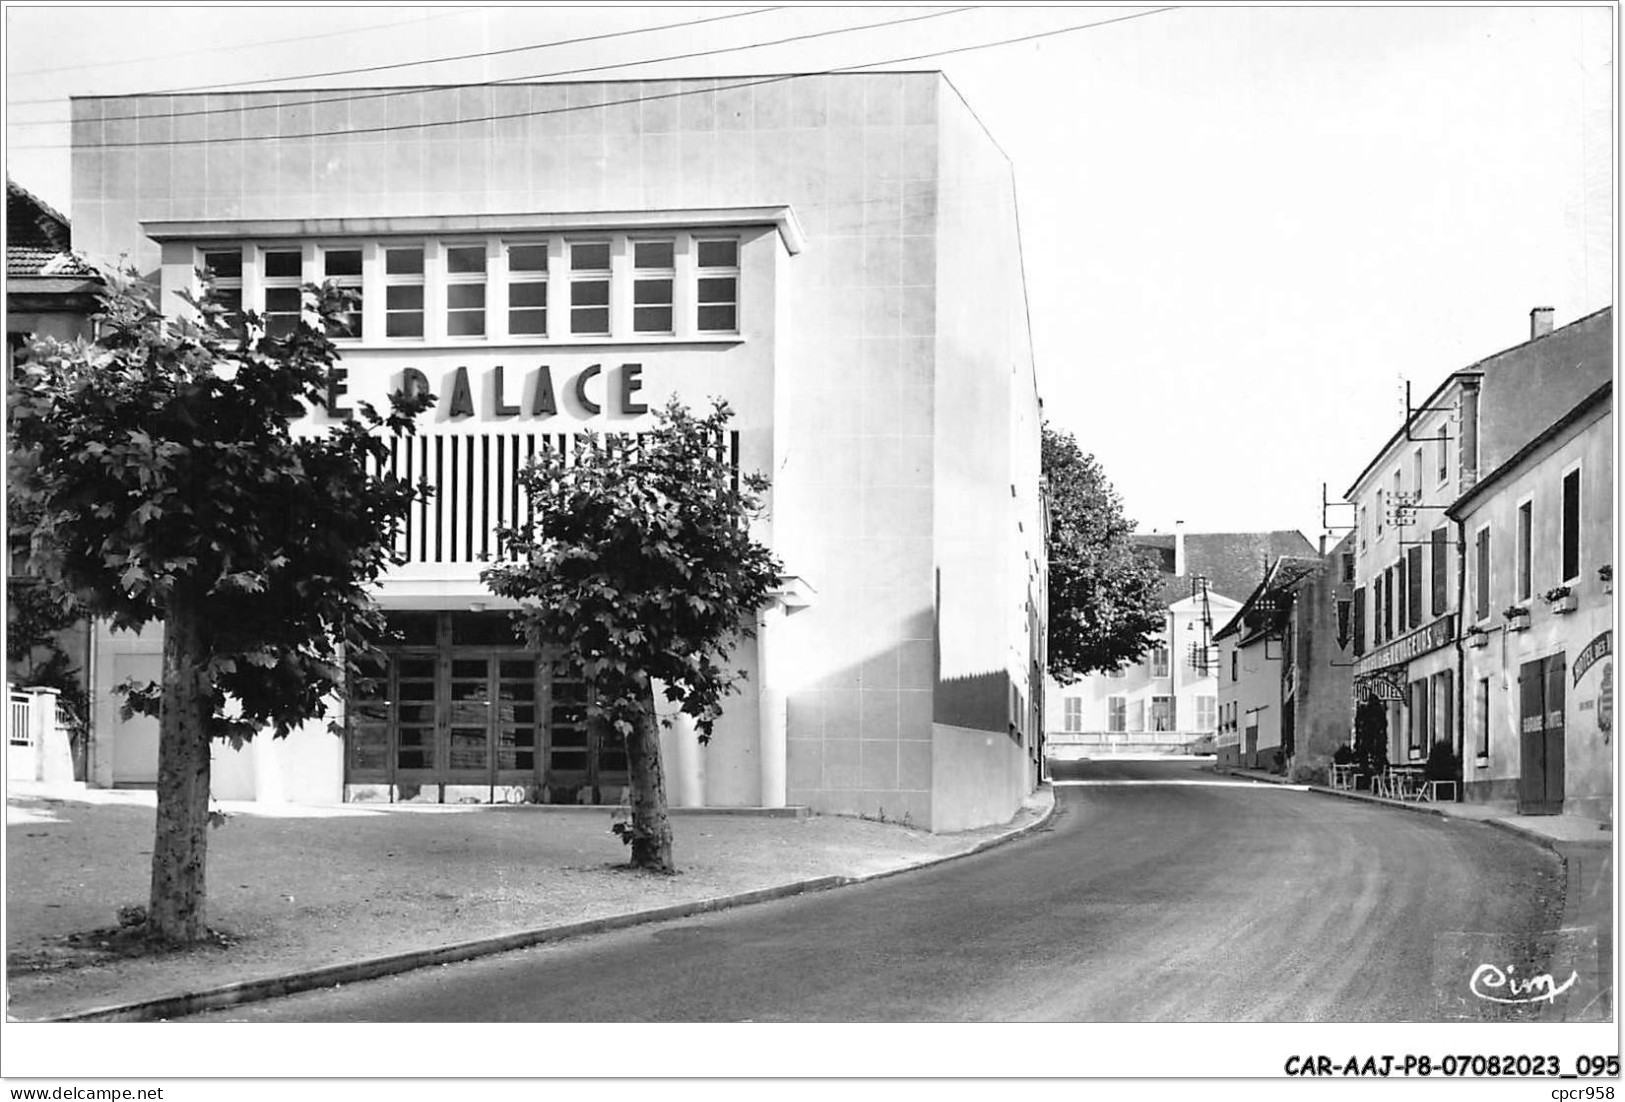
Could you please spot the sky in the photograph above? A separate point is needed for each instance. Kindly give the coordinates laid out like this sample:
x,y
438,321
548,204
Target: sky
x,y
1243,227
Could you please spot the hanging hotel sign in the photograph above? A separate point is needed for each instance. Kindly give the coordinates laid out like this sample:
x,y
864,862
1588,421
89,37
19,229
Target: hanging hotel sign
x,y
1440,633
1600,647
1378,686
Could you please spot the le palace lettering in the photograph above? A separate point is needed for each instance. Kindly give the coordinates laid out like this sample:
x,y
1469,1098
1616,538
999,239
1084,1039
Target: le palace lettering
x,y
620,390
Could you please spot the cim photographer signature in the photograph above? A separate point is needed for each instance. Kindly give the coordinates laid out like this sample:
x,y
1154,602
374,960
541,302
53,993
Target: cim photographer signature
x,y
1496,985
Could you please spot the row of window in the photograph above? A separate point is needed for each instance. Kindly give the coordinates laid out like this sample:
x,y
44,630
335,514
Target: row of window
x,y
1397,603
1523,579
1156,663
1387,501
496,288
1125,715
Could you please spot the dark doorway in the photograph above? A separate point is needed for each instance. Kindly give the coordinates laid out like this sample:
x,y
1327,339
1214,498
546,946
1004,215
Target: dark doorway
x,y
1541,702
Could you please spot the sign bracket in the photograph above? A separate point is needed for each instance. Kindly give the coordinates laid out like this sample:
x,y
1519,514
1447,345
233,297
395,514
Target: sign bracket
x,y
1326,505
1411,411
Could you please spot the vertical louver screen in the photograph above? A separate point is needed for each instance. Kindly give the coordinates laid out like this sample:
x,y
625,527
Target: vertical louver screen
x,y
477,491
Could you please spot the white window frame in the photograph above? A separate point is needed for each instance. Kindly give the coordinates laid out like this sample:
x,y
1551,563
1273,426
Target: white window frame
x,y
419,279
1159,650
269,283
1523,551
1487,570
1173,712
1574,468
451,279
527,278
1207,712
236,283
582,276
702,273
356,282
1072,721
666,274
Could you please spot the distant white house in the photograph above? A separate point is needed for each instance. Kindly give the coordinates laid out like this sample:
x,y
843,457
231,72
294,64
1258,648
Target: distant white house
x,y
1168,697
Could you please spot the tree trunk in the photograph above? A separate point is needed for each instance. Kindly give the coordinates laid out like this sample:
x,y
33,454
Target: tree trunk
x,y
175,911
651,829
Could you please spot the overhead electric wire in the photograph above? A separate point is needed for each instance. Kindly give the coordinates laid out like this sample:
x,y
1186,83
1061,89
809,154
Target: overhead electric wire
x,y
482,54
441,60
386,93
748,83
256,45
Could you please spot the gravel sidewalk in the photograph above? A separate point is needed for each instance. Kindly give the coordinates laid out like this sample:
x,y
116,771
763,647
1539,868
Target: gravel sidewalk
x,y
295,888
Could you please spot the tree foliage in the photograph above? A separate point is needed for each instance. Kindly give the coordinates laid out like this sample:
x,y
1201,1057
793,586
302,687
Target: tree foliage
x,y
36,616
165,481
639,567
1103,596
1371,736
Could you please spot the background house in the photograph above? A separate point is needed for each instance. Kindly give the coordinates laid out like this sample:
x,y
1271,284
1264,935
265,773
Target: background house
x,y
50,292
1169,697
1286,665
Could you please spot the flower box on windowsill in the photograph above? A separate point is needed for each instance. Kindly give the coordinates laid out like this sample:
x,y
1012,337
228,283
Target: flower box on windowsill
x,y
1606,575
1517,618
1477,638
1563,604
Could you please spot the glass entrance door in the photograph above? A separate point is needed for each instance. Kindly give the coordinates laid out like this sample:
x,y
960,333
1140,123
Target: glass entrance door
x,y
457,704
586,763
468,721
516,723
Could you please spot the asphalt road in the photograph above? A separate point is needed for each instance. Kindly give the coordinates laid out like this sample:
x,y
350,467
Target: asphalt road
x,y
1195,898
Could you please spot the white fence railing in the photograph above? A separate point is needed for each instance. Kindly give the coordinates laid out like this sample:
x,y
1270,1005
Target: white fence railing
x,y
19,726
37,747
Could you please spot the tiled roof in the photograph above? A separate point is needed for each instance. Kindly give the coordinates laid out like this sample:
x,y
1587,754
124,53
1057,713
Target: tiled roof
x,y
38,239
1276,589
1232,562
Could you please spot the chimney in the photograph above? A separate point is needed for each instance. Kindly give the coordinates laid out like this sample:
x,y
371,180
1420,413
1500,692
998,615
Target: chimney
x,y
1323,545
1179,549
1540,321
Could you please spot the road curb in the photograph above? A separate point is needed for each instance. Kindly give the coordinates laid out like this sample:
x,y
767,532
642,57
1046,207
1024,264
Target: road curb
x,y
1546,840
252,991
1380,802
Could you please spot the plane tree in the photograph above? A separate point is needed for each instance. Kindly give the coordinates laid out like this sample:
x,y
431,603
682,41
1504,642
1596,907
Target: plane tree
x,y
164,480
1104,608
638,567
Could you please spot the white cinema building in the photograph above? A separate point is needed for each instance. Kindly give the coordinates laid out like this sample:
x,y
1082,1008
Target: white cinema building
x,y
836,256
